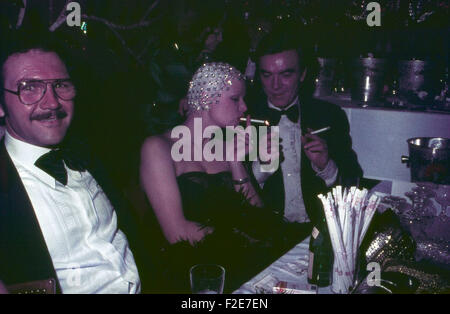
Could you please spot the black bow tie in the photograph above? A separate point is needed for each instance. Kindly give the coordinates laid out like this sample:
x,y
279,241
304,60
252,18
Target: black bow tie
x,y
275,115
52,163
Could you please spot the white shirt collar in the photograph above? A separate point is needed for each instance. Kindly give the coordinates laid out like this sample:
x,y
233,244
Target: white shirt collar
x,y
26,154
294,102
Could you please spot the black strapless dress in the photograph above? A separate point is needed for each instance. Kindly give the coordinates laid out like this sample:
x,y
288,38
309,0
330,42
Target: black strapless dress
x,y
246,239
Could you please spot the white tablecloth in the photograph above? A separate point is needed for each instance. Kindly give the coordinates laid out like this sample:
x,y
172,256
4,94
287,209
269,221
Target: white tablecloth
x,y
291,267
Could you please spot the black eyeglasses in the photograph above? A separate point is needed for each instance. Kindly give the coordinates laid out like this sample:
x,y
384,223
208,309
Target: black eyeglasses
x,y
32,91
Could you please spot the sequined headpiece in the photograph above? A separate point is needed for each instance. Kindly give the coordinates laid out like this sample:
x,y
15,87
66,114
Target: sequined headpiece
x,y
208,83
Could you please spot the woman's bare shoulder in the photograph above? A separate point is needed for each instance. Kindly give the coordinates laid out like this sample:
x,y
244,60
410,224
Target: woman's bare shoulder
x,y
157,144
156,150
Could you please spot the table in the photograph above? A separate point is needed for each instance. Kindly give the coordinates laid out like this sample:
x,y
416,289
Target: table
x,y
291,267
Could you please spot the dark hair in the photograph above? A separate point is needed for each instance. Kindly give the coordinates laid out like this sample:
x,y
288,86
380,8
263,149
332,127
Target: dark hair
x,y
283,39
22,42
289,37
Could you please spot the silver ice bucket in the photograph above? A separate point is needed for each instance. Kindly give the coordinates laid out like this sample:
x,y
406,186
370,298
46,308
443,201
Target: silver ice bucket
x,y
325,78
415,75
429,159
367,82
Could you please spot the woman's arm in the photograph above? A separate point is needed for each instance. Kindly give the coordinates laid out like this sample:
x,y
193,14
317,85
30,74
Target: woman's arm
x,y
243,184
241,179
158,179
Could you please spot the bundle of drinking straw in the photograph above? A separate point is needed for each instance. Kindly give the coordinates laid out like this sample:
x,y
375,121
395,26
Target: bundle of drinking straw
x,y
348,214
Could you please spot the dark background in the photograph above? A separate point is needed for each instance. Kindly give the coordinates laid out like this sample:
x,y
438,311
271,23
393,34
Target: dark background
x,y
120,59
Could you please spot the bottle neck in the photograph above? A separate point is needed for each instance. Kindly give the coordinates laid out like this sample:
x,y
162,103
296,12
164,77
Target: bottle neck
x,y
321,225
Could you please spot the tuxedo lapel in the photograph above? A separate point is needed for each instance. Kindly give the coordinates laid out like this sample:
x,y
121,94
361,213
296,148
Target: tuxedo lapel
x,y
305,115
24,256
314,114
273,193
311,117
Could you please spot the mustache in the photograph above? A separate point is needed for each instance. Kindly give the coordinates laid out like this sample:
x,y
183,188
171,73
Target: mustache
x,y
58,114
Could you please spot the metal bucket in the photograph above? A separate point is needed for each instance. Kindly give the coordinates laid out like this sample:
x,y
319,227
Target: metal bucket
x,y
429,159
325,78
415,75
368,76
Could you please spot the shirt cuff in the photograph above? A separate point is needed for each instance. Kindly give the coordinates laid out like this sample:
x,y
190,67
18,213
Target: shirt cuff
x,y
328,174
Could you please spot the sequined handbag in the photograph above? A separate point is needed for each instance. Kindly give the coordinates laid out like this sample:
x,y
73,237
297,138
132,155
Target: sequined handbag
x,y
387,239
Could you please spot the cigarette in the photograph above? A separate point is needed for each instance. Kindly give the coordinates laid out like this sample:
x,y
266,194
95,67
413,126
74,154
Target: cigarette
x,y
320,130
257,121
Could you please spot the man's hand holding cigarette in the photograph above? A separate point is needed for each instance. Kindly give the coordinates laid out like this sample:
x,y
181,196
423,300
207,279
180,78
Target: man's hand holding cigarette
x,y
316,149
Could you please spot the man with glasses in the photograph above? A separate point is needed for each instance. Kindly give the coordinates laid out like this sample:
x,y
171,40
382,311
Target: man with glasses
x,y
55,220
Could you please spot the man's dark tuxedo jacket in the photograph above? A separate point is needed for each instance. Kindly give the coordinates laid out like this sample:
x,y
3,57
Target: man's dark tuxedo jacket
x,y
314,114
24,256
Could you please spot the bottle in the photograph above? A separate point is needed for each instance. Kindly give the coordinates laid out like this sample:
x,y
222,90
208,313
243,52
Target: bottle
x,y
321,256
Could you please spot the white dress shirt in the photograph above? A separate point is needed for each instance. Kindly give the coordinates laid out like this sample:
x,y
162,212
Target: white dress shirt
x,y
290,134
89,253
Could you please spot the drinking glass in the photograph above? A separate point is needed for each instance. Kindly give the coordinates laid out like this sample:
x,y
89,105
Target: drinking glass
x,y
207,279
420,197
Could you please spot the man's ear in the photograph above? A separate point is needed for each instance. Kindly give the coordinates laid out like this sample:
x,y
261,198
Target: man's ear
x,y
2,112
303,75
